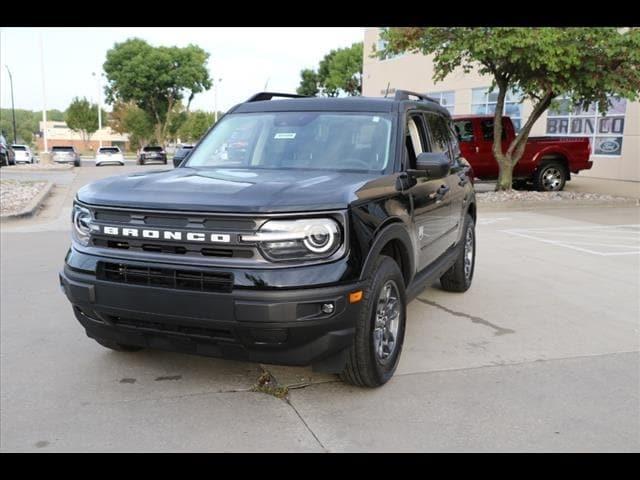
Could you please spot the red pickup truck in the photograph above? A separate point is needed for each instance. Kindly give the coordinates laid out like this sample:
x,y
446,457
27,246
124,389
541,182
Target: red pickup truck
x,y
547,162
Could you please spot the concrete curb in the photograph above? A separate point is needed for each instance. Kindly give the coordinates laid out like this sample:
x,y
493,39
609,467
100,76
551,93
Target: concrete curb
x,y
58,168
535,205
32,206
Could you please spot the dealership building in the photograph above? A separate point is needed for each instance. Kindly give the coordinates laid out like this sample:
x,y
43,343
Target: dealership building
x,y
59,134
615,136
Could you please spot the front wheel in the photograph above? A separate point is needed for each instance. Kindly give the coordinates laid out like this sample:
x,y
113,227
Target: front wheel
x,y
458,278
551,177
380,327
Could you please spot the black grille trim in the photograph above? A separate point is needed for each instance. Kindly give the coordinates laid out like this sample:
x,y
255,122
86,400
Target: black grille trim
x,y
203,281
166,328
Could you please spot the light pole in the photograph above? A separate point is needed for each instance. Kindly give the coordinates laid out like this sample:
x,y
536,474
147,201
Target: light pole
x,y
215,98
13,110
99,105
44,102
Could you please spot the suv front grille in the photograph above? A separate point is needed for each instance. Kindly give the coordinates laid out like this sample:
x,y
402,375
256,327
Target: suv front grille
x,y
204,281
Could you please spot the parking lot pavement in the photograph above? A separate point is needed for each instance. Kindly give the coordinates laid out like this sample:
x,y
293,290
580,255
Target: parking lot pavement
x,y
540,354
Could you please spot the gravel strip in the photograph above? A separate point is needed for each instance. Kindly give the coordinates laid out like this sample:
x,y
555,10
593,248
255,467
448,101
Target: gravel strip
x,y
530,196
38,166
15,195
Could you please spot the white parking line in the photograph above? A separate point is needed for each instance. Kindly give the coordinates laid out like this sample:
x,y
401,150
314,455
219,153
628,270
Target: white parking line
x,y
592,236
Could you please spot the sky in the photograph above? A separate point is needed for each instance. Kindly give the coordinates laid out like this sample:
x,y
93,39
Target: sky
x,y
244,58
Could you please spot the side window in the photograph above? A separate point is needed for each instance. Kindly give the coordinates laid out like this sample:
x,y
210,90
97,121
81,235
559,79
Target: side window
x,y
440,135
414,140
464,130
487,130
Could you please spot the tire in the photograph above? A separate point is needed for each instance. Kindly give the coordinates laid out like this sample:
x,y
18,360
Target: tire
x,y
118,347
365,367
550,177
458,278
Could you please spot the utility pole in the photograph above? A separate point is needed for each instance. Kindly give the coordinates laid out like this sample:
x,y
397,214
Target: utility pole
x,y
13,110
44,104
98,76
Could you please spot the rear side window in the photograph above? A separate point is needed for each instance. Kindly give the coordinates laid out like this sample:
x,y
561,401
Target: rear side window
x,y
487,130
464,130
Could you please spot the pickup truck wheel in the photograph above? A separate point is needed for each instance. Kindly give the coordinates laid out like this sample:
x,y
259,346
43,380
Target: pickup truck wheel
x,y
118,347
458,278
380,328
551,177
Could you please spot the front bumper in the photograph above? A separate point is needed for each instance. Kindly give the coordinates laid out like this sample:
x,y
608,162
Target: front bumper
x,y
278,326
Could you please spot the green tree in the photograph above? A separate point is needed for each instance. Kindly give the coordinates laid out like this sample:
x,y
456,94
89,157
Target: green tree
x,y
82,116
586,64
131,119
339,72
308,83
155,78
196,125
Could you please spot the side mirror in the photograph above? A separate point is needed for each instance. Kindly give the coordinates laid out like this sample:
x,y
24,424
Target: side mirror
x,y
433,165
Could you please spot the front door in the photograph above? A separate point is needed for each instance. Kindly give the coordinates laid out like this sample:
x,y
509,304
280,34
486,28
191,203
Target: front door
x,y
431,214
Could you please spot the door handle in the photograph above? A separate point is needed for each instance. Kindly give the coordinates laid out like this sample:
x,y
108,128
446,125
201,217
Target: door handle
x,y
441,192
477,149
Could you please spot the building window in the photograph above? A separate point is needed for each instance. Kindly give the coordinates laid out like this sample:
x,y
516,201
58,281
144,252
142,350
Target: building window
x,y
446,99
382,44
484,102
604,131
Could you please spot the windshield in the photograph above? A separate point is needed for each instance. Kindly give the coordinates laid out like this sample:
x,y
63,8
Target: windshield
x,y
152,149
19,147
109,150
62,149
297,140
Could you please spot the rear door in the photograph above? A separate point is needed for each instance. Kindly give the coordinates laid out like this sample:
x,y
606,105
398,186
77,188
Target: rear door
x,y
442,140
430,212
487,167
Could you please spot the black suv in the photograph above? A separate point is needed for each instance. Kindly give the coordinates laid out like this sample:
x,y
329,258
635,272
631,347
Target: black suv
x,y
301,248
152,154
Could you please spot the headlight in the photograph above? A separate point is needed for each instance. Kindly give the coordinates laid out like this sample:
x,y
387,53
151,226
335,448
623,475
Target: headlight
x,y
297,239
81,219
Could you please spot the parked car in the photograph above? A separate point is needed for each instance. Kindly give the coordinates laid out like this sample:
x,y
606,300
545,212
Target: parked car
x,y
7,155
23,153
342,212
182,152
152,154
65,154
109,155
547,162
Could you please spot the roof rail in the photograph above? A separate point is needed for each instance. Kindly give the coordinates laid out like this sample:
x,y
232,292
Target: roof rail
x,y
405,94
269,95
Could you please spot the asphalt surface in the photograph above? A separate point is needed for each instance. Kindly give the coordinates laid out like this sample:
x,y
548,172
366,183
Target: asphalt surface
x,y
541,354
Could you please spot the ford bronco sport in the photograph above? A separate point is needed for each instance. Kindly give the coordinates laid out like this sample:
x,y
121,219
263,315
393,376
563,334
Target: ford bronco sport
x,y
301,248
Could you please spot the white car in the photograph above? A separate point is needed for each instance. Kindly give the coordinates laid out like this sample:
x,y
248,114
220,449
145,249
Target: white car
x,y
109,155
23,153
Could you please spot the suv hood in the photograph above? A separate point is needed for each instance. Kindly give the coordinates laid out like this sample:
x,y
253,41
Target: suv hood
x,y
229,190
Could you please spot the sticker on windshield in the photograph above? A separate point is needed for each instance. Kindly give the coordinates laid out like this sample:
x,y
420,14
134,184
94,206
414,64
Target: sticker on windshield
x,y
376,119
284,136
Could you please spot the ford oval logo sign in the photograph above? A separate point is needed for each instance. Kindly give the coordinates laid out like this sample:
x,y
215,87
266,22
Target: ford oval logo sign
x,y
609,146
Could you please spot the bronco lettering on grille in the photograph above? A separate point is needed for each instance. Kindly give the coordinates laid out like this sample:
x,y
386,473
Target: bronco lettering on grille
x,y
166,234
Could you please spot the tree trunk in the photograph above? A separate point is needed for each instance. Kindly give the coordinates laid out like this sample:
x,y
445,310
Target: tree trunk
x,y
505,177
